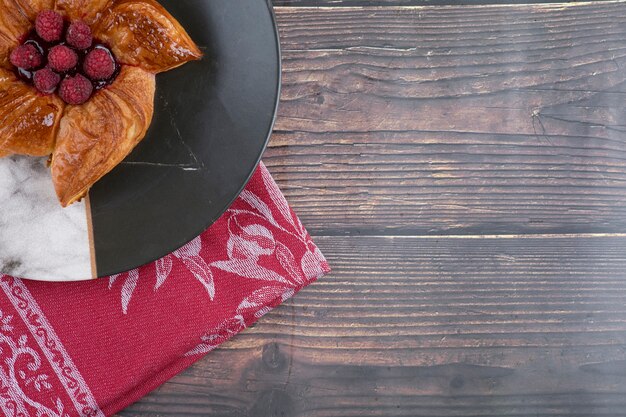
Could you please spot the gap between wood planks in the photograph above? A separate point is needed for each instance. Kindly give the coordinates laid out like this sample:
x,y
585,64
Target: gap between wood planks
x,y
488,236
543,5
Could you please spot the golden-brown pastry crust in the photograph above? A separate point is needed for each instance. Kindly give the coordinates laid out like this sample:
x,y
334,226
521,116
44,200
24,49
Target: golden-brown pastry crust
x,y
30,8
96,136
87,10
28,121
142,33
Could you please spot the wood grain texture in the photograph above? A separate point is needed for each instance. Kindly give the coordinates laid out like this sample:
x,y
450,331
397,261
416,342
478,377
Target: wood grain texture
x,y
373,3
359,3
410,326
463,169
496,119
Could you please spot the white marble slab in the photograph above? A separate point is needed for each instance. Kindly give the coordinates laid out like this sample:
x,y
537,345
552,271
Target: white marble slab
x,y
38,238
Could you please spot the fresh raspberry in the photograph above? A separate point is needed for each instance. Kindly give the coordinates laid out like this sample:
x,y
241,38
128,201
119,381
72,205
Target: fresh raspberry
x,y
79,35
26,57
99,64
49,25
75,90
62,58
46,80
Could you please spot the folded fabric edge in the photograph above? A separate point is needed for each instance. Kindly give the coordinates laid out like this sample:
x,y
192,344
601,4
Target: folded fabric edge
x,y
197,353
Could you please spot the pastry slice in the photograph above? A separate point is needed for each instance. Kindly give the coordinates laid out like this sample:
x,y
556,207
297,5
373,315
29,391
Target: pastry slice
x,y
96,136
142,33
28,121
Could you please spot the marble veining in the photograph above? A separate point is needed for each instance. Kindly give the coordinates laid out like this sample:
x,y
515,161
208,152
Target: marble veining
x,y
38,238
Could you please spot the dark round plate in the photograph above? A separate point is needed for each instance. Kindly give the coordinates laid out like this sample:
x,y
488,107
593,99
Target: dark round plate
x,y
212,122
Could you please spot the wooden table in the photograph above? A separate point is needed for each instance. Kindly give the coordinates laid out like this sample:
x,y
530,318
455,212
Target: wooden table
x,y
463,167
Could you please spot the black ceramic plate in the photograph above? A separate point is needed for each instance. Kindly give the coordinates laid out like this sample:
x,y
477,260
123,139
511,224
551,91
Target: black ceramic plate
x,y
212,121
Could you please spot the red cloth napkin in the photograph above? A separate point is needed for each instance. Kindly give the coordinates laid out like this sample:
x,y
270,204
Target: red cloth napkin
x,y
93,348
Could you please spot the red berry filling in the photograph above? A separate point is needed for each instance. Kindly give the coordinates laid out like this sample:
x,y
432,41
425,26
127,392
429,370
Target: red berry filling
x,y
46,80
79,35
99,64
49,26
75,90
64,57
26,57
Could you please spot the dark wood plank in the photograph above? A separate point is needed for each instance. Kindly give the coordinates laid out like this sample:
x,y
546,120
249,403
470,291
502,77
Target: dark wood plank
x,y
406,326
462,120
355,3
442,121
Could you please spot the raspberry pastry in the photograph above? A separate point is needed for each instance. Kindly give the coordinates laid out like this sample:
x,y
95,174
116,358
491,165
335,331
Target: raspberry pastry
x,y
77,81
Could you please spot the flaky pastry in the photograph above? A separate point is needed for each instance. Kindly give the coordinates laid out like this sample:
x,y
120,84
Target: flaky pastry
x,y
87,106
